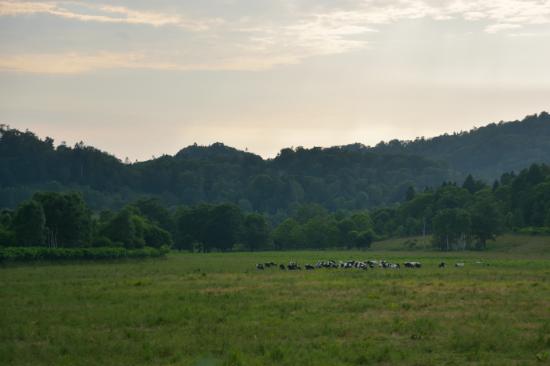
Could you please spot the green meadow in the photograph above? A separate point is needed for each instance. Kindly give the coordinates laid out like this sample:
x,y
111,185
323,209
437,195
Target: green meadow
x,y
217,309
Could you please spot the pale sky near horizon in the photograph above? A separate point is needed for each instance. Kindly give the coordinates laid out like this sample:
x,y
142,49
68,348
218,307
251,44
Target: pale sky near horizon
x,y
141,78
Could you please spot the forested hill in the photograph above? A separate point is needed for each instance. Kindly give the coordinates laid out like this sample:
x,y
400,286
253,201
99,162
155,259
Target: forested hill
x,y
347,177
485,152
333,177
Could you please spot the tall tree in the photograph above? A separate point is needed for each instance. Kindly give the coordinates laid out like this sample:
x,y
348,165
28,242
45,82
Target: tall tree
x,y
255,231
451,227
29,224
486,218
68,219
223,227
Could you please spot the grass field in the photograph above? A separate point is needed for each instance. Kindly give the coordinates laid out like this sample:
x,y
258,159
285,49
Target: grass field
x,y
216,309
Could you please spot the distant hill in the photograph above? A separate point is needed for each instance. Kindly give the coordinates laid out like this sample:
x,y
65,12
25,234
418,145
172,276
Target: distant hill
x,y
345,177
485,152
215,151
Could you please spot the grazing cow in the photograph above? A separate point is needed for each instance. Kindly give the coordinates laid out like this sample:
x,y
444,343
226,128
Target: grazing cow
x,y
459,265
309,267
282,267
442,265
372,263
260,266
349,264
292,266
413,264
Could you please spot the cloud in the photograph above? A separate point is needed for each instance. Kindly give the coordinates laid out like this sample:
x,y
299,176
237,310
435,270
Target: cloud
x,y
82,11
338,30
258,41
66,63
77,63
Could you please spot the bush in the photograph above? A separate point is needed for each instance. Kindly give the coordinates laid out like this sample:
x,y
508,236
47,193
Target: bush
x,y
29,254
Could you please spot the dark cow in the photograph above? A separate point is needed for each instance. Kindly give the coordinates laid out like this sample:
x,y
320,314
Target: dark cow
x,y
442,265
260,266
282,267
309,267
413,264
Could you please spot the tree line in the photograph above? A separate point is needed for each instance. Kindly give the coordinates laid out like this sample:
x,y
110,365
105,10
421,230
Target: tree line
x,y
63,220
469,215
456,216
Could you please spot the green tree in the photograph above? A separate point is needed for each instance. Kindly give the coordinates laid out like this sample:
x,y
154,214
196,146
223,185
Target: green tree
x,y
451,227
486,218
288,235
255,231
29,224
156,212
125,229
156,236
363,239
68,219
223,227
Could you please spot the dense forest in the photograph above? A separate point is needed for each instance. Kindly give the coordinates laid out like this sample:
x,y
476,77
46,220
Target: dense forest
x,y
217,198
457,217
348,178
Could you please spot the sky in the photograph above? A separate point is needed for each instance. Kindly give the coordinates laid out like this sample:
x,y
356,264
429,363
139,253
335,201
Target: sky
x,y
144,78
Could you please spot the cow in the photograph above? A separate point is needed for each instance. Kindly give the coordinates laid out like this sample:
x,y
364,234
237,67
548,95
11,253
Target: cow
x,y
442,265
459,265
309,267
282,267
260,266
413,264
292,266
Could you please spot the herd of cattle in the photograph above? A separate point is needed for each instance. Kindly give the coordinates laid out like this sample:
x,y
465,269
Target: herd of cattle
x,y
364,265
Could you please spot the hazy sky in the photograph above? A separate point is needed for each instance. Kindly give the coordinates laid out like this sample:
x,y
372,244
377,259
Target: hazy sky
x,y
141,78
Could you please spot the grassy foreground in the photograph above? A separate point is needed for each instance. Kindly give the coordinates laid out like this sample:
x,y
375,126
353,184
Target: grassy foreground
x,y
216,309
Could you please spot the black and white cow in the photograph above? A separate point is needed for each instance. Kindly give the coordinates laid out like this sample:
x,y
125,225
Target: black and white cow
x,y
413,264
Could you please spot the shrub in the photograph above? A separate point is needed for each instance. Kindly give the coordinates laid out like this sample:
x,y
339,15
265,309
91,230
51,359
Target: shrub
x,y
29,254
